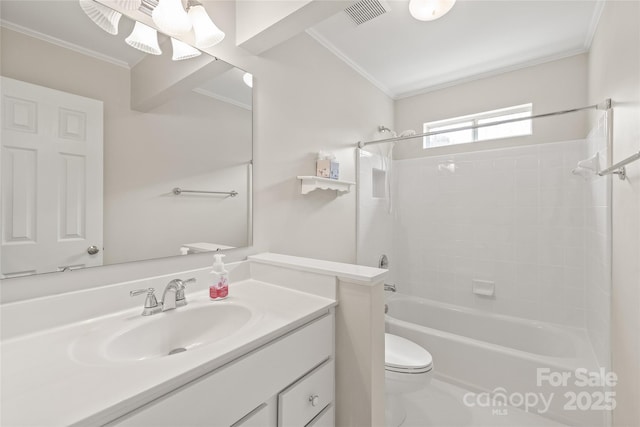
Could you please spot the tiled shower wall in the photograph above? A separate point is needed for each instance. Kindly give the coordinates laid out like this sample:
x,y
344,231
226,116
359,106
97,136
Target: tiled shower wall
x,y
598,249
516,217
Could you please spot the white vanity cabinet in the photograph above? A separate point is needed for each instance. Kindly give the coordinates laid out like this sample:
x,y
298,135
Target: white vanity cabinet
x,y
287,382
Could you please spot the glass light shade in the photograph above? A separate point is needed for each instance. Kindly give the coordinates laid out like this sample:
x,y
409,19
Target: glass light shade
x,y
144,38
182,50
428,10
129,4
171,18
206,32
247,78
104,17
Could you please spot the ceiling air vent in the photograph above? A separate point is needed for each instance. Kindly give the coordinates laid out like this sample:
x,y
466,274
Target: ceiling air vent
x,y
365,10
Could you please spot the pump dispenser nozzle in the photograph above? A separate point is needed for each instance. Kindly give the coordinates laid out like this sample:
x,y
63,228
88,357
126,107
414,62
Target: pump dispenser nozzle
x,y
218,265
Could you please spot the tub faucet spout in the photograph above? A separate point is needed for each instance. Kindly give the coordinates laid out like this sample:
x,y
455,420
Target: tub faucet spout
x,y
389,287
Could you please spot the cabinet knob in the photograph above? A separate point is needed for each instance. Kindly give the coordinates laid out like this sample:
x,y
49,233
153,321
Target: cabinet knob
x,y
314,400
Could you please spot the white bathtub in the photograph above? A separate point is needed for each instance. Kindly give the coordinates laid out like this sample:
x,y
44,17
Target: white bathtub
x,y
484,352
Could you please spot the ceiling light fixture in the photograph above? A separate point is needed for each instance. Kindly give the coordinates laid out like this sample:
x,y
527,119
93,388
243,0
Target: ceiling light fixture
x,y
144,38
171,18
104,17
129,4
168,15
247,78
206,32
429,10
182,50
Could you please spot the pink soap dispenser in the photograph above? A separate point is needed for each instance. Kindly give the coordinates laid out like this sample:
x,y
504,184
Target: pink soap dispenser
x,y
219,287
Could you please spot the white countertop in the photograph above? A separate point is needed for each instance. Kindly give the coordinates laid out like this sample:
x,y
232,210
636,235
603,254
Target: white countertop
x,y
360,273
45,383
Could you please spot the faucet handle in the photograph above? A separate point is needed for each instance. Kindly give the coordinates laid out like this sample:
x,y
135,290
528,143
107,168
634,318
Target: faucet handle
x,y
149,291
181,299
151,305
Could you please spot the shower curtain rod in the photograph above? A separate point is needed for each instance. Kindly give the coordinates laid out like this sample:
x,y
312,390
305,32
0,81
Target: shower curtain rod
x,y
604,105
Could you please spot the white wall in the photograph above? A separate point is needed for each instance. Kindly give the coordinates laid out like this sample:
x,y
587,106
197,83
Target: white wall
x,y
551,86
614,71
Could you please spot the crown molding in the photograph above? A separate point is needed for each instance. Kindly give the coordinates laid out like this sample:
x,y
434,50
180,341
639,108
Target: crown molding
x,y
337,52
593,24
58,42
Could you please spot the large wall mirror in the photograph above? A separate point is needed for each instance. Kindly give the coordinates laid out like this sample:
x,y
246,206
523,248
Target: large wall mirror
x,y
96,137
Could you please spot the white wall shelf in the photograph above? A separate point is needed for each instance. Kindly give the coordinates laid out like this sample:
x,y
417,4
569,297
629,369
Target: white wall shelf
x,y
310,183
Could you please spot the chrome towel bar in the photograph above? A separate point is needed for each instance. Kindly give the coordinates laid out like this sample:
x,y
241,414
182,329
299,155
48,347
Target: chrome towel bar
x,y
178,191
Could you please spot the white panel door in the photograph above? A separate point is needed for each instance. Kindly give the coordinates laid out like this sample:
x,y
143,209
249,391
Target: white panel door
x,y
51,180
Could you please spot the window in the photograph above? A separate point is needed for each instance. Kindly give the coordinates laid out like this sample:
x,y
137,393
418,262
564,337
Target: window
x,y
505,130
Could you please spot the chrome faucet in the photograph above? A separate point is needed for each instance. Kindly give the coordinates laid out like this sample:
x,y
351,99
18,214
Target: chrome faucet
x,y
172,297
389,287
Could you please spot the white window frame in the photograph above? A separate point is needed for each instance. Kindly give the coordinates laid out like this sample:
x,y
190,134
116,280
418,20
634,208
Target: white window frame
x,y
475,119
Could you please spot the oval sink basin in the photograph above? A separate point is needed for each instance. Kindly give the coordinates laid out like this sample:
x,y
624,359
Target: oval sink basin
x,y
161,335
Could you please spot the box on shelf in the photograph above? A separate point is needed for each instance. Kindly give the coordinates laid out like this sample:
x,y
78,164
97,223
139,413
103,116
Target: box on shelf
x,y
328,168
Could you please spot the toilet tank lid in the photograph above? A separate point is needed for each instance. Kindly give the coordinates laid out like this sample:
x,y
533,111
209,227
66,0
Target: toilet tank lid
x,y
402,353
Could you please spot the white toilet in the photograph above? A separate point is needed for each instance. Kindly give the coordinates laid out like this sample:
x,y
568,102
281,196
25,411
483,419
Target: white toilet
x,y
407,368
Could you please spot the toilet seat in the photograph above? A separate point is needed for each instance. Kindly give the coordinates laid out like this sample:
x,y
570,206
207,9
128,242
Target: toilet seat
x,y
404,356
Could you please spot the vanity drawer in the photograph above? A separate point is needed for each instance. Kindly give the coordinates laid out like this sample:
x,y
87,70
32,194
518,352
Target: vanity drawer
x,y
326,418
259,417
306,398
